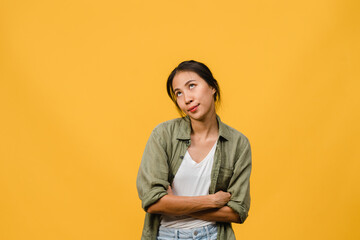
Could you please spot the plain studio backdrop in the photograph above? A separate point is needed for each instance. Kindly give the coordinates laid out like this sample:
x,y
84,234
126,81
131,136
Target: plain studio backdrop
x,y
82,85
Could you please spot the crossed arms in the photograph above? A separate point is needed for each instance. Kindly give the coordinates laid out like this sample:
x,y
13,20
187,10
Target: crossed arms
x,y
157,198
209,207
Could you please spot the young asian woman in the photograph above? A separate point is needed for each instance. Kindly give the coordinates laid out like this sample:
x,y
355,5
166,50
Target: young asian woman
x,y
194,176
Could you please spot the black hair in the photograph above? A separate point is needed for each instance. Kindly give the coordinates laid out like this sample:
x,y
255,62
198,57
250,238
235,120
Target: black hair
x,y
202,70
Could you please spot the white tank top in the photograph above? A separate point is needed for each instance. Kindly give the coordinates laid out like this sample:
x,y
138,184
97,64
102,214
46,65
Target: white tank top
x,y
191,179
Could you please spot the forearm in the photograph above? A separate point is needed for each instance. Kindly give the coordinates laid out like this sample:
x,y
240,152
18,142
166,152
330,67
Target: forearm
x,y
182,205
224,214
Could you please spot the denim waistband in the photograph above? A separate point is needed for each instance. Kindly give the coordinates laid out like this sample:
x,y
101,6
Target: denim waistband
x,y
193,233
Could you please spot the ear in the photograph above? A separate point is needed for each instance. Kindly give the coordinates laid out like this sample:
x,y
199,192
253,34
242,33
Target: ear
x,y
213,90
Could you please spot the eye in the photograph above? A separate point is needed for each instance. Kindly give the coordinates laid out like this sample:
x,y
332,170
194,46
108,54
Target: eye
x,y
177,94
191,85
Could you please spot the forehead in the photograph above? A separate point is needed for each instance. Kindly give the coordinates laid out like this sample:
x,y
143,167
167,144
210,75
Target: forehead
x,y
181,78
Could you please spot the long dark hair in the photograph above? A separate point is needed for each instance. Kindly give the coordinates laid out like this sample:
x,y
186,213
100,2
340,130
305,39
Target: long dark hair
x,y
202,70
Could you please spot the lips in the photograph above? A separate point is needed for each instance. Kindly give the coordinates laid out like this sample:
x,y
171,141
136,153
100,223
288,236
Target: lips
x,y
192,109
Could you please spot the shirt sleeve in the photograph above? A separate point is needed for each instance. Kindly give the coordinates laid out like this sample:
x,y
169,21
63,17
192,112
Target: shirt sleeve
x,y
152,179
239,185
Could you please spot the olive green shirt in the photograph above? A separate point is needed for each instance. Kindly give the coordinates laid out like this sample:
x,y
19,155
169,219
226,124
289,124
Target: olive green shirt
x,y
163,154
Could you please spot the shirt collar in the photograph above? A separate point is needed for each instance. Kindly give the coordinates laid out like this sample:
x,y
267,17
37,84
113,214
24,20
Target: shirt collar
x,y
185,129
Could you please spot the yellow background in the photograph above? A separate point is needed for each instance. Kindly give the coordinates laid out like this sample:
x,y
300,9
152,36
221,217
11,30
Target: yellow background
x,y
82,84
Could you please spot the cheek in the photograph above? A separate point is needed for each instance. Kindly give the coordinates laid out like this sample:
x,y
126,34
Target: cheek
x,y
208,96
179,103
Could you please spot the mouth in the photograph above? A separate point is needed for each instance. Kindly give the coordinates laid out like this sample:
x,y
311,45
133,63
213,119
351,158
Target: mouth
x,y
193,109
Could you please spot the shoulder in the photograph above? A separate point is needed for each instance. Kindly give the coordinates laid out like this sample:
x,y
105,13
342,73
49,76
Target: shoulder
x,y
168,128
169,124
237,147
236,141
233,134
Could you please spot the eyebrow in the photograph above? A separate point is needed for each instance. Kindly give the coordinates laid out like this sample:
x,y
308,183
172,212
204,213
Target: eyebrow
x,y
185,84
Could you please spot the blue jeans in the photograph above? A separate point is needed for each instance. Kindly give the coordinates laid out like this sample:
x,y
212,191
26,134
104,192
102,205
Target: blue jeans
x,y
208,232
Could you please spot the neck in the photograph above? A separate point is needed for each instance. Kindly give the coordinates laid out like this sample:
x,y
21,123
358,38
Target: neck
x,y
205,128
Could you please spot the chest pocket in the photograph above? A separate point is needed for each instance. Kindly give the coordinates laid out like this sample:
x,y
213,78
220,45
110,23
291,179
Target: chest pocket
x,y
224,178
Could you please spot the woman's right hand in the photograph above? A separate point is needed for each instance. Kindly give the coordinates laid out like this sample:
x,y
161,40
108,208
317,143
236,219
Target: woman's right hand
x,y
221,198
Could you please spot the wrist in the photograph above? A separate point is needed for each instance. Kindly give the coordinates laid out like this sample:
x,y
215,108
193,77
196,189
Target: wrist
x,y
213,202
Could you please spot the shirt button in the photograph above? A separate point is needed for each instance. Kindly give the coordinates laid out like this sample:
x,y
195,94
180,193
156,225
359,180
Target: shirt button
x,y
196,233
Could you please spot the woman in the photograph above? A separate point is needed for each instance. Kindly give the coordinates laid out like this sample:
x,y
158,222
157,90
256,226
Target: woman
x,y
194,176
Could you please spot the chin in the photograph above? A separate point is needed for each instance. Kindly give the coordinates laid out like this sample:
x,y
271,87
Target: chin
x,y
197,116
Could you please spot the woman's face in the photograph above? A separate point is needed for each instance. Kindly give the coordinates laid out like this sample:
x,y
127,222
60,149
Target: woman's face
x,y
193,95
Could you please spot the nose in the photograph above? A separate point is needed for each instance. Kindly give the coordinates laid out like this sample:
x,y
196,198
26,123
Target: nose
x,y
188,98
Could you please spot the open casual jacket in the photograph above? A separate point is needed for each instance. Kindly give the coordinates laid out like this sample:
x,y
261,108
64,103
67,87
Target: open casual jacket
x,y
162,157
